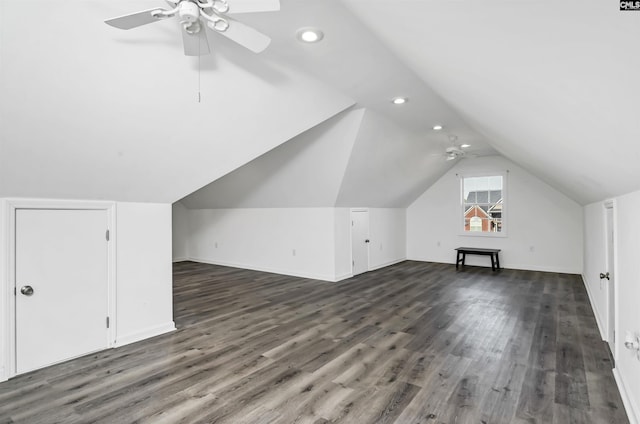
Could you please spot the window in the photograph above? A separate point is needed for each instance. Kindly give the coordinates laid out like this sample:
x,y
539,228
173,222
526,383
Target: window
x,y
483,205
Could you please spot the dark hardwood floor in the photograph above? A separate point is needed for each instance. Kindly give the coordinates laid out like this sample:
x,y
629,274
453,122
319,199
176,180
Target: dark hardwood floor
x,y
411,343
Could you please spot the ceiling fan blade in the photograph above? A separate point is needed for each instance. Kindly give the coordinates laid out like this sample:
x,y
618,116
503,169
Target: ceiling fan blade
x,y
246,36
195,44
134,20
248,6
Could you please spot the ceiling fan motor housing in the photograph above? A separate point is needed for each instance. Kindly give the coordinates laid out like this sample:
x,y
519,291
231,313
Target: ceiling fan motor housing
x,y
189,12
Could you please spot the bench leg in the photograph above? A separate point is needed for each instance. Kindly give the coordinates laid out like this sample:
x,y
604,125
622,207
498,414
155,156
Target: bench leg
x,y
497,261
493,263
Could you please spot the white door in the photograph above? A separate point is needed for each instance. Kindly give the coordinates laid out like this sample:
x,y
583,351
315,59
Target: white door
x,y
611,308
360,241
61,285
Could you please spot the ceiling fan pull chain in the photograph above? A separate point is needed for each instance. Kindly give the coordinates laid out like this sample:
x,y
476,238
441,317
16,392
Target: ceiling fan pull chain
x,y
215,22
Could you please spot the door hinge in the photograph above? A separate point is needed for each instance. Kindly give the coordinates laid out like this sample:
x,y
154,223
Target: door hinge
x,y
107,322
107,235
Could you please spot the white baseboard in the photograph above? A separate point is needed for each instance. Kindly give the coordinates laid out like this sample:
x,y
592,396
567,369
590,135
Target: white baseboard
x,y
386,264
629,405
3,375
312,276
558,270
344,276
180,259
594,307
145,334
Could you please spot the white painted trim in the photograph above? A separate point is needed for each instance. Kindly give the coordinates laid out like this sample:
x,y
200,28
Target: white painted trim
x,y
10,208
633,410
593,306
505,206
180,259
3,376
145,334
343,277
323,277
386,264
557,270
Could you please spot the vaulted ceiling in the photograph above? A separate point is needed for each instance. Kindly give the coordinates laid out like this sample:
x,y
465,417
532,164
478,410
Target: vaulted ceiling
x,y
88,111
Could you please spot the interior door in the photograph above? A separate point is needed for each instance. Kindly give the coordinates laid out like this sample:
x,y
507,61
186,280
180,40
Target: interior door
x,y
360,241
61,285
611,308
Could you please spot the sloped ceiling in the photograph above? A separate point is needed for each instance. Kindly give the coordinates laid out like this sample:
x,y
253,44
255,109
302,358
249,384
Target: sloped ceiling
x,y
87,111
305,172
357,158
91,112
553,85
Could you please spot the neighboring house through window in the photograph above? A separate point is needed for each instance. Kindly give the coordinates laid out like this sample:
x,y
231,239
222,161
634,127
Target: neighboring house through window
x,y
483,206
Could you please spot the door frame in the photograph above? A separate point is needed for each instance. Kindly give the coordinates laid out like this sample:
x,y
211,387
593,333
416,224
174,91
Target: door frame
x,y
351,211
9,318
611,205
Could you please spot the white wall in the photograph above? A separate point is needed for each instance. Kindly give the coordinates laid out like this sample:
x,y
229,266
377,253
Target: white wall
x,y
180,232
292,241
627,266
144,275
5,289
342,231
387,232
595,262
539,218
264,239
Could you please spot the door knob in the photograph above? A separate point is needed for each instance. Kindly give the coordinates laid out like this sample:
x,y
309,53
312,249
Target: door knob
x,y
366,241
26,290
604,276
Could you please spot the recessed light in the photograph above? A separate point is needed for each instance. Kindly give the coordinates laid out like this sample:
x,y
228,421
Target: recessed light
x,y
437,127
399,100
309,35
464,146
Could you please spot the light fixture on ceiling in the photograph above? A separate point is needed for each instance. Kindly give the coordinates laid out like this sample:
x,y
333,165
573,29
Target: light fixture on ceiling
x,y
399,100
465,146
309,35
437,127
451,156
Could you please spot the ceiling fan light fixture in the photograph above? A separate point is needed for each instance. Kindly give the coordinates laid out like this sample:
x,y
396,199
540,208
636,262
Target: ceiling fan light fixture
x,y
465,146
399,100
309,35
451,156
437,127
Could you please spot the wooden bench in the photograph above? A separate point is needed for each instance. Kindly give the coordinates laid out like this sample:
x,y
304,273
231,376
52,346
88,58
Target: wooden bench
x,y
464,251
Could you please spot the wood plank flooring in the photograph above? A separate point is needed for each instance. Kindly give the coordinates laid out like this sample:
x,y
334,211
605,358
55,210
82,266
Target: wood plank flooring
x,y
411,343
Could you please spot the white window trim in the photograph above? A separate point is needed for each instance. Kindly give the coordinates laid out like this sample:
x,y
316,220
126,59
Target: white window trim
x,y
505,206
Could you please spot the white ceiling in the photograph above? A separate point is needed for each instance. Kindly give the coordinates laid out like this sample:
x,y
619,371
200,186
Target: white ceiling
x,y
552,84
89,111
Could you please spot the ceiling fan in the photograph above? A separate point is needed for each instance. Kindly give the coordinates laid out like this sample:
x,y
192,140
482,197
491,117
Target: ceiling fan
x,y
455,150
196,15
